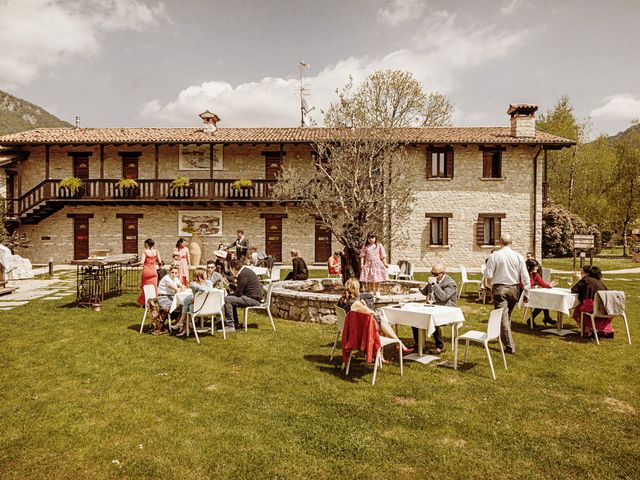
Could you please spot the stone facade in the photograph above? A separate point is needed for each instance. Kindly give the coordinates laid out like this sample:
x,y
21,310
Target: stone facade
x,y
464,196
523,126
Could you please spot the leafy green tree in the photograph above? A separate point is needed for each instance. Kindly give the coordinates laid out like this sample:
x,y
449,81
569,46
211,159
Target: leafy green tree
x,y
388,98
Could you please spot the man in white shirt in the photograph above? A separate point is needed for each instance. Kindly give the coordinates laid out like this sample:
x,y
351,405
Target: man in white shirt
x,y
507,273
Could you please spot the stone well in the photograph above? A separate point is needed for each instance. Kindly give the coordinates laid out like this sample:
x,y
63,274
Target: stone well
x,y
288,301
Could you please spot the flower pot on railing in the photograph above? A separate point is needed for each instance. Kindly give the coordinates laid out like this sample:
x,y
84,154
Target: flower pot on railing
x,y
181,188
70,187
128,188
241,188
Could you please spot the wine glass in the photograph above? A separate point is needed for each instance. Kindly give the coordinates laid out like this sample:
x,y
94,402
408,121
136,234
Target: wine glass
x,y
431,298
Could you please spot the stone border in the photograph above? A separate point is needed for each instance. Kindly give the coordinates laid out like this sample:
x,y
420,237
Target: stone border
x,y
318,307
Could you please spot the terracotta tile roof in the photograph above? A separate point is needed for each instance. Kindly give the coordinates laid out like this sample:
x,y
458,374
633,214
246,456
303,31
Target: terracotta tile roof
x,y
449,135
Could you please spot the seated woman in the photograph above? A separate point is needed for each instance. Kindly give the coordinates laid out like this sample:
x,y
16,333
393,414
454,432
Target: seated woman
x,y
168,287
334,264
536,279
590,283
300,271
351,299
199,284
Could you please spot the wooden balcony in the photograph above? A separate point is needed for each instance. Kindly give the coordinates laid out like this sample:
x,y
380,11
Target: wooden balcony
x,y
48,197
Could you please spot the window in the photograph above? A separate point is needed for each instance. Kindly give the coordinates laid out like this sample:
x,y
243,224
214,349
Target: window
x,y
439,228
488,228
492,163
439,163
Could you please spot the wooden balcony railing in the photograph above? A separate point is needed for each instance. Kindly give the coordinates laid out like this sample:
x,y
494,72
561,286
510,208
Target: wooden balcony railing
x,y
147,190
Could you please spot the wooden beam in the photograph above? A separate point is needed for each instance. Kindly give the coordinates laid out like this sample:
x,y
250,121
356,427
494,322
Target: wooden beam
x,y
211,160
46,162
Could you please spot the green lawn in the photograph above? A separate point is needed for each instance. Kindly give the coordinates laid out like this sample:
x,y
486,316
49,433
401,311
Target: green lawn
x,y
84,395
604,262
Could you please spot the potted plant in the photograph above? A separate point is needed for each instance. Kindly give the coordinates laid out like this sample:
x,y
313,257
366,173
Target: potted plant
x,y
181,187
128,187
70,187
242,184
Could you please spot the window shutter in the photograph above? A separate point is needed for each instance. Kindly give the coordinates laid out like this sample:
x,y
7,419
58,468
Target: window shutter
x,y
428,164
487,159
450,163
498,227
445,231
480,230
498,172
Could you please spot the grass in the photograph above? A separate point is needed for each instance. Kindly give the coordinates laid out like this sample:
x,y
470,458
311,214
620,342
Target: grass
x,y
84,395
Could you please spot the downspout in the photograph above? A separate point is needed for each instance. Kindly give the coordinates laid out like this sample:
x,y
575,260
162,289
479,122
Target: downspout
x,y
535,200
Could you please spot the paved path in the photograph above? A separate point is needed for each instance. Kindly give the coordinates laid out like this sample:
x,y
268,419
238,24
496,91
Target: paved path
x,y
47,289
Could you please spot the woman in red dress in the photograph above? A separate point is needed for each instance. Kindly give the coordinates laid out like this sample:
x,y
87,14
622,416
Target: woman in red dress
x,y
150,256
181,257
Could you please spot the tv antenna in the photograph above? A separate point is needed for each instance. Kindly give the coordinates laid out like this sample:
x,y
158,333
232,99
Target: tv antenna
x,y
304,91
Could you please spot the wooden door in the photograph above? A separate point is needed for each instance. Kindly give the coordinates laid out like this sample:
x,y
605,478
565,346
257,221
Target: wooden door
x,y
323,243
80,238
11,191
272,165
130,235
273,236
129,167
81,167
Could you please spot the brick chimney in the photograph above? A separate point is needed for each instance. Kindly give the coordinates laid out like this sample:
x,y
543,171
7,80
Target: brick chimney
x,y
210,121
523,119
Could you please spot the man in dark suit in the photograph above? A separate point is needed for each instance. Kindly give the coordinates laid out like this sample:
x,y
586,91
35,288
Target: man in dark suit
x,y
248,294
444,291
241,244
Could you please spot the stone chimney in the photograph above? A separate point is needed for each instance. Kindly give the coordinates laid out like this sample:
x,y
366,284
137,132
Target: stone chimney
x,y
210,121
77,122
523,119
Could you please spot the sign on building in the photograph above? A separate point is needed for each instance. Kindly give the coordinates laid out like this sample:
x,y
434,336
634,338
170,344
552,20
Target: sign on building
x,y
198,157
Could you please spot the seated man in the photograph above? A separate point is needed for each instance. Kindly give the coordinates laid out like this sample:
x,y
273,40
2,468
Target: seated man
x,y
216,279
445,292
248,293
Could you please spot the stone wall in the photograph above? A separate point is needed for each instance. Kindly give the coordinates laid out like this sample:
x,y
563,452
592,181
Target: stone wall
x,y
465,196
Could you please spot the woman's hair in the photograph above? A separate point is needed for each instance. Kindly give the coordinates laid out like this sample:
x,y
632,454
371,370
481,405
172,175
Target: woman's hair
x,y
235,265
180,240
200,275
295,252
531,265
174,267
149,242
336,253
594,272
351,290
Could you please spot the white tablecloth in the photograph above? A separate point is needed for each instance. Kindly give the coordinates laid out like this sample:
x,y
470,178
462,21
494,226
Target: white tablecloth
x,y
179,298
423,316
556,299
258,270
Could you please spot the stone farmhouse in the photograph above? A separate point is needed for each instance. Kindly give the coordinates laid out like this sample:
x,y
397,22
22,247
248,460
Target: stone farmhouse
x,y
478,181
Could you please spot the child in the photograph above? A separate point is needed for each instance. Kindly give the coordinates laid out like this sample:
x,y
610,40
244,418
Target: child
x,y
161,271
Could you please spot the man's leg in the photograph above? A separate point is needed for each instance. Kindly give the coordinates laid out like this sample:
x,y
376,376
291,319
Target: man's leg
x,y
437,338
501,300
230,312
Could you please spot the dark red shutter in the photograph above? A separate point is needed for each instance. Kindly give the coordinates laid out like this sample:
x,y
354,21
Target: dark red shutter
x,y
428,163
487,159
445,231
450,163
498,172
480,230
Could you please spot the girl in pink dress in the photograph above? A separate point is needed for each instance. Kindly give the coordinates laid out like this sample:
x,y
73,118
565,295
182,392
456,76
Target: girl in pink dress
x,y
373,263
181,256
150,257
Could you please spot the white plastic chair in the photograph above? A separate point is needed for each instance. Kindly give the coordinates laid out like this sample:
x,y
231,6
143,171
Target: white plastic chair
x,y
406,270
465,280
599,312
492,333
265,305
384,341
207,305
275,274
546,275
340,315
393,270
149,293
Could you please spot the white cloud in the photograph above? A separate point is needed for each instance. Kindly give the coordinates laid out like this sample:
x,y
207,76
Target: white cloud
x,y
434,59
511,6
400,11
43,33
623,106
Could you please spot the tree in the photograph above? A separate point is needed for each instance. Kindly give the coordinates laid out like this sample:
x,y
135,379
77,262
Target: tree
x,y
388,98
623,195
559,225
564,165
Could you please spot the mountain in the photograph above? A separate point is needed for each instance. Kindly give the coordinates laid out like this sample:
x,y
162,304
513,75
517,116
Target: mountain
x,y
626,133
17,115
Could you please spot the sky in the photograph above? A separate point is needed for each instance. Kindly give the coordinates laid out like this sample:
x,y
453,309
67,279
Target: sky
x,y
146,63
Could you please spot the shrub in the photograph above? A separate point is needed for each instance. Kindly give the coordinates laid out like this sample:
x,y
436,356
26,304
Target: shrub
x,y
559,226
241,183
126,183
73,184
180,182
